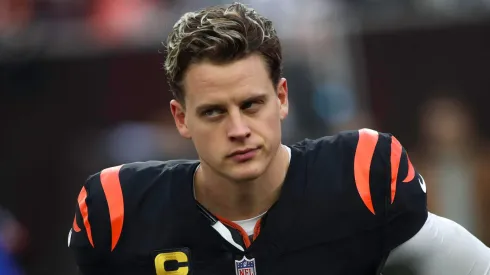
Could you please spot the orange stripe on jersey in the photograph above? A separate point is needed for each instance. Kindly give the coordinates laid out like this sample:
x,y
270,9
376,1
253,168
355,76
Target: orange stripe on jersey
x,y
112,189
231,224
257,229
396,154
84,211
75,226
411,171
362,164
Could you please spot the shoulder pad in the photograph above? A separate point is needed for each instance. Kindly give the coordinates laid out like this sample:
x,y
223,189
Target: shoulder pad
x,y
103,198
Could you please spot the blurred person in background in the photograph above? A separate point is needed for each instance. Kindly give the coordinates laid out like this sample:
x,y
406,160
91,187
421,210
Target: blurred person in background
x,y
454,159
351,203
12,242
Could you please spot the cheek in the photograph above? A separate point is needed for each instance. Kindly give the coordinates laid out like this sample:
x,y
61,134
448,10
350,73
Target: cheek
x,y
271,123
206,138
201,133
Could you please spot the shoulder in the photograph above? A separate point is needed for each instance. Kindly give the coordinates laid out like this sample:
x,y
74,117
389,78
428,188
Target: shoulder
x,y
364,163
137,175
365,179
109,196
346,182
361,143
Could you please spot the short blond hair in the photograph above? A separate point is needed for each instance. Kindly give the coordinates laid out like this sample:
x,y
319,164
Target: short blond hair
x,y
220,34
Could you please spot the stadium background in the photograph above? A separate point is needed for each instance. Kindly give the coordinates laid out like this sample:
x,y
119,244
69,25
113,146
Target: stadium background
x,y
82,88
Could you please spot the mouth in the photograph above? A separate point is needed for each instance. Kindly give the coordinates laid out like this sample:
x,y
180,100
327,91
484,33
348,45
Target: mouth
x,y
244,154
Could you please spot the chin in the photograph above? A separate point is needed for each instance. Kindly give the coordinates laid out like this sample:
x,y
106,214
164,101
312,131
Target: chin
x,y
247,172
245,177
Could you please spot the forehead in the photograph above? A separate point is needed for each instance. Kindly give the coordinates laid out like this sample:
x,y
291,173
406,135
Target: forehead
x,y
206,81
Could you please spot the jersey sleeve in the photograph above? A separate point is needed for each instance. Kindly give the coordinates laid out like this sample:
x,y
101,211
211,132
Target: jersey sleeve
x,y
407,197
390,186
96,218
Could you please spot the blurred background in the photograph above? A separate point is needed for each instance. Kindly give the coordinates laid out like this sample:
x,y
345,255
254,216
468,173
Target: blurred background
x,y
82,88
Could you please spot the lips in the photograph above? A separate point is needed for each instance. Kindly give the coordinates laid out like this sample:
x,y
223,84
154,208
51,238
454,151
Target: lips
x,y
241,152
244,154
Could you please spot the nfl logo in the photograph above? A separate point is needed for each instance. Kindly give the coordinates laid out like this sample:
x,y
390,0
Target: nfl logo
x,y
245,266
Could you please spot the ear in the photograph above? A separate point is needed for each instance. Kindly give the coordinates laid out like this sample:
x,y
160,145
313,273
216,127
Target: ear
x,y
282,95
178,112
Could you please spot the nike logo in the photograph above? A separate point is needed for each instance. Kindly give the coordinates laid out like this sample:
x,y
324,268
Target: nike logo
x,y
422,184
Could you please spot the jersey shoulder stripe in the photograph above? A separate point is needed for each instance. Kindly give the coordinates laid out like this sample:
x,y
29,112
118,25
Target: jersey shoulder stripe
x,y
395,158
362,164
369,142
411,171
109,179
104,199
82,204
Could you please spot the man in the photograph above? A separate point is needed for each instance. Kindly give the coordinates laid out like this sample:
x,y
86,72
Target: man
x,y
347,204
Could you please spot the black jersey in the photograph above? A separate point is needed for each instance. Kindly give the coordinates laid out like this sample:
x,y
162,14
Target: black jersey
x,y
347,200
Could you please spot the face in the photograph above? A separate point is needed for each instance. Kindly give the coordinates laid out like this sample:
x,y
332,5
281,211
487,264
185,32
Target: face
x,y
233,115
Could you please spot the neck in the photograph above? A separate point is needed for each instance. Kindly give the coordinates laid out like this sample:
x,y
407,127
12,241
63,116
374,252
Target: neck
x,y
241,200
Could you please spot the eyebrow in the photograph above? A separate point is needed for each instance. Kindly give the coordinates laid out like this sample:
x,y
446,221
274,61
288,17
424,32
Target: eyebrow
x,y
255,98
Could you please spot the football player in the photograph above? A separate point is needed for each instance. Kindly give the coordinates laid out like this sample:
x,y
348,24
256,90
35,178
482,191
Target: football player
x,y
351,203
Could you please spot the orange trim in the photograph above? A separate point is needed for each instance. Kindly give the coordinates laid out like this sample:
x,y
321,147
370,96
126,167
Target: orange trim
x,y
362,164
231,224
76,228
84,211
111,185
396,153
257,229
411,171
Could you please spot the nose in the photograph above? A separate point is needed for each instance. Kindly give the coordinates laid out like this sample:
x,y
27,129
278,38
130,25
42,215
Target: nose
x,y
237,127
